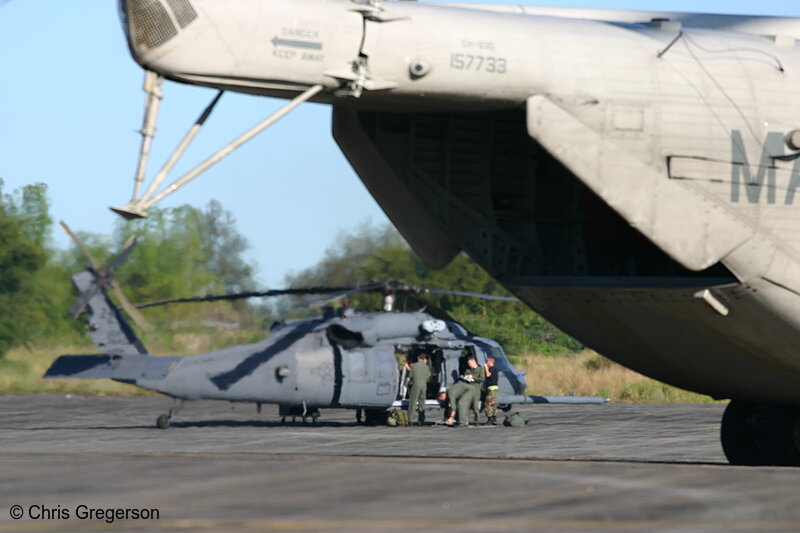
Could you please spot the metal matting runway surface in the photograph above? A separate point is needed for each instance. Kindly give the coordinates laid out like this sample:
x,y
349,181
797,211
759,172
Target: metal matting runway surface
x,y
223,467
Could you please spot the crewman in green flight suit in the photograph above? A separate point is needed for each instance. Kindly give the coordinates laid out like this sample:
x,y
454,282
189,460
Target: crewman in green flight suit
x,y
420,374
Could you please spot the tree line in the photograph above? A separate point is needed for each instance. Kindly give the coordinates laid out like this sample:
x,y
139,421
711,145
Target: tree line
x,y
181,251
187,251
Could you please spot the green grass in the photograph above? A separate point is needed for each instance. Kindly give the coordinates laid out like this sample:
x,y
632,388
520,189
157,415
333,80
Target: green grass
x,y
589,374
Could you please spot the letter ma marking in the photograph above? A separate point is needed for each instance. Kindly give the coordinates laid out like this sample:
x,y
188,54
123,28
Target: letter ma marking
x,y
742,173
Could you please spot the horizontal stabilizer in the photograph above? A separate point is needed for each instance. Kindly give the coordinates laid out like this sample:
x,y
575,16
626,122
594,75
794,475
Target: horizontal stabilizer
x,y
118,367
80,366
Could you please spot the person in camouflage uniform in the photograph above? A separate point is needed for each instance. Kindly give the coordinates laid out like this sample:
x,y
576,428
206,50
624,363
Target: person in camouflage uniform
x,y
420,374
492,389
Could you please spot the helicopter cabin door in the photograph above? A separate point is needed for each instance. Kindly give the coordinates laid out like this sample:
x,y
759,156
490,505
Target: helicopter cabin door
x,y
369,377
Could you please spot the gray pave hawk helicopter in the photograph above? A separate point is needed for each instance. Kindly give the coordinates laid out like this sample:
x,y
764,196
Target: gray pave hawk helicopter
x,y
341,359
630,175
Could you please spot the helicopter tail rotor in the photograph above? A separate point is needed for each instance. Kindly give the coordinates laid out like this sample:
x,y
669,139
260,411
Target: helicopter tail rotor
x,y
103,277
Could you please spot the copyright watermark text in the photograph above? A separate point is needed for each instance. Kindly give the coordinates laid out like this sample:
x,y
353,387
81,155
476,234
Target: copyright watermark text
x,y
82,512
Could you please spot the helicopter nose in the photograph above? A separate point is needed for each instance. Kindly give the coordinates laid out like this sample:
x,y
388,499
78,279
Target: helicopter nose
x,y
150,24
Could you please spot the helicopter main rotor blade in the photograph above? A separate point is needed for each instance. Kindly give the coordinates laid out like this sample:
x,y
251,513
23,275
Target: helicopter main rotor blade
x,y
474,295
335,294
243,295
85,249
322,302
130,308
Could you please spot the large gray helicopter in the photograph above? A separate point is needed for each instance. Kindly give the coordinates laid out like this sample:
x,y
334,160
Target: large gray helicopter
x,y
342,358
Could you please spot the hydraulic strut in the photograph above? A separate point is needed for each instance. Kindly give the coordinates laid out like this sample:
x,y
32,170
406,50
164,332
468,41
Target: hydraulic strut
x,y
138,206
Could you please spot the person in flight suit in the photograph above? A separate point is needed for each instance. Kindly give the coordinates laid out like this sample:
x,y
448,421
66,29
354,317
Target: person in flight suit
x,y
420,374
462,394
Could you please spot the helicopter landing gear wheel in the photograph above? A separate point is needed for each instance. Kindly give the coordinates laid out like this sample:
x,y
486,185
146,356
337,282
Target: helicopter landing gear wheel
x,y
162,422
761,434
742,434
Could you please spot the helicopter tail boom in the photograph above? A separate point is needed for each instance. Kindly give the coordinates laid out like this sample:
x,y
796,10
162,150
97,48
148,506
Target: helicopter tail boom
x,y
125,368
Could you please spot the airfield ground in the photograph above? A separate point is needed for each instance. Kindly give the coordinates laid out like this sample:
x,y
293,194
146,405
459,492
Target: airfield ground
x,y
223,467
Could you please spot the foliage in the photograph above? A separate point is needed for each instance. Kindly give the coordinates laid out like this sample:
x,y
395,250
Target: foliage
x,y
23,230
376,254
646,390
519,331
598,362
227,247
183,251
171,256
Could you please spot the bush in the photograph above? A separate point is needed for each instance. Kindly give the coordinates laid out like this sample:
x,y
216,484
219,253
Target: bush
x,y
598,362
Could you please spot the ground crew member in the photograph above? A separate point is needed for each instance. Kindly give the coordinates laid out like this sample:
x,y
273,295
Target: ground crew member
x,y
474,395
444,404
492,389
462,393
420,374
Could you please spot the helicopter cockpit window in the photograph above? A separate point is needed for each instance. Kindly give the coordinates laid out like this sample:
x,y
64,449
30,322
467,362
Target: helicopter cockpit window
x,y
344,337
456,329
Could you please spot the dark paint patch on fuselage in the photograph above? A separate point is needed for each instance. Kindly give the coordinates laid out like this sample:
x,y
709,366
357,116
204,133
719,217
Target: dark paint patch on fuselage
x,y
226,380
338,374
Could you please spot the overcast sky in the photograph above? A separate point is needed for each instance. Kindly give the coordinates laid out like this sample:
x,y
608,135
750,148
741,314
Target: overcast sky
x,y
71,105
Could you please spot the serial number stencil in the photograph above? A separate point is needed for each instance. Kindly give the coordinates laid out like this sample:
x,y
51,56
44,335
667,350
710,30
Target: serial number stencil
x,y
478,63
